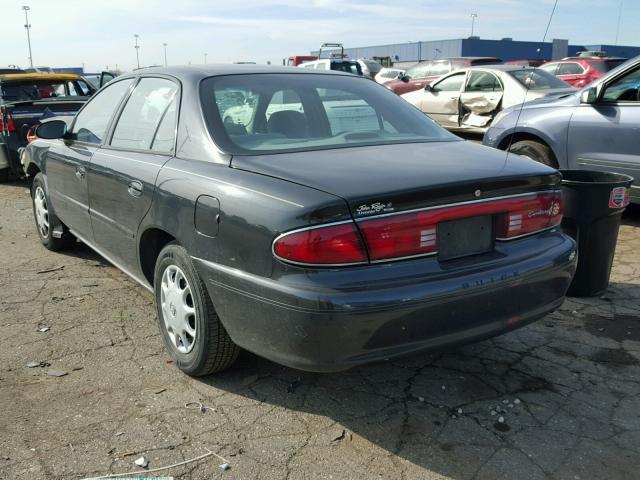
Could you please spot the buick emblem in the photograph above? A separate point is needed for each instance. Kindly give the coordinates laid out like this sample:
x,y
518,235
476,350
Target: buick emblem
x,y
477,193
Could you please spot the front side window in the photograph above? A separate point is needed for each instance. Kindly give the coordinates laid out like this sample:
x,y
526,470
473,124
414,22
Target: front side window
x,y
290,112
149,104
550,68
483,82
450,84
624,89
92,121
419,71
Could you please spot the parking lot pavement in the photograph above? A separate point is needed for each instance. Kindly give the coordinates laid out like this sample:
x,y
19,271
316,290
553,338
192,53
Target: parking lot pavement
x,y
557,399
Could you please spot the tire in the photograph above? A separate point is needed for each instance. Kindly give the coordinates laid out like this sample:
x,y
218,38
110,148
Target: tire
x,y
206,348
535,151
4,175
46,219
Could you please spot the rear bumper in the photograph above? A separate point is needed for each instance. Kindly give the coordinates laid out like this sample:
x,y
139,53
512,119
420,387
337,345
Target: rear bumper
x,y
331,320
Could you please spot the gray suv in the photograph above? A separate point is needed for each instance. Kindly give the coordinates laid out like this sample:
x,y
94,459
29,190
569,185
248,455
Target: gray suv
x,y
596,128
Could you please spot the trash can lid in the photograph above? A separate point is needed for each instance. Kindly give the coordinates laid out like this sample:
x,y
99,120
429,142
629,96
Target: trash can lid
x,y
593,177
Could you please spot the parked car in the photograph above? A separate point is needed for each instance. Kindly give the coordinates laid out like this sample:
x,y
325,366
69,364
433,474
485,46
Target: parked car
x,y
370,68
387,74
422,74
595,128
581,71
4,70
336,64
315,242
27,99
470,98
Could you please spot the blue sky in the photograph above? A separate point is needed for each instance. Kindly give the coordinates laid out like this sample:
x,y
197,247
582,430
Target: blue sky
x,y
100,33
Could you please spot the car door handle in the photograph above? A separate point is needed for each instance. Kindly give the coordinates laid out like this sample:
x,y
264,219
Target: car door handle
x,y
135,188
80,172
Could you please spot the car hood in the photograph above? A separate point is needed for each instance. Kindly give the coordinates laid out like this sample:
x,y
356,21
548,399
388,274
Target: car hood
x,y
405,175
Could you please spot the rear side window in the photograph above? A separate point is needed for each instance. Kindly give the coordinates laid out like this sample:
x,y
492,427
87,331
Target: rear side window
x,y
349,67
483,82
569,68
91,123
151,103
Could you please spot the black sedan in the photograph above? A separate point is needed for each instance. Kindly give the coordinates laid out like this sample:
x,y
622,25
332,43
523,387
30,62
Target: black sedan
x,y
314,218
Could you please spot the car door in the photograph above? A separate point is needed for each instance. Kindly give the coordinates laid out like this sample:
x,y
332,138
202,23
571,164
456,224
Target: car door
x,y
440,101
68,159
482,96
124,170
605,135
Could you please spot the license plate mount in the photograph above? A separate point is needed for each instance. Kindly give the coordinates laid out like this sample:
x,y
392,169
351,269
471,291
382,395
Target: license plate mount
x,y
464,237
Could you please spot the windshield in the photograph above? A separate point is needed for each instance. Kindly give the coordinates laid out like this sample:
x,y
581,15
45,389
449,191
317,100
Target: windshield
x,y
268,113
607,65
537,79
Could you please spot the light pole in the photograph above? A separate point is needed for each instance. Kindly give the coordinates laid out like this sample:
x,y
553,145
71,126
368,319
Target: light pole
x,y
26,8
165,54
137,47
473,22
618,24
205,58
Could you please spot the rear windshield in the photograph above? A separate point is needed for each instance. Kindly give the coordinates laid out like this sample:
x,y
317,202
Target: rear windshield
x,y
270,113
537,79
606,65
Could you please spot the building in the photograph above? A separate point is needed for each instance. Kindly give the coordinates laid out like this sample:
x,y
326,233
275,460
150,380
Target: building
x,y
404,54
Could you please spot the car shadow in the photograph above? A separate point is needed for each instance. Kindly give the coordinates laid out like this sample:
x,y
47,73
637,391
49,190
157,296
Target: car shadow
x,y
440,411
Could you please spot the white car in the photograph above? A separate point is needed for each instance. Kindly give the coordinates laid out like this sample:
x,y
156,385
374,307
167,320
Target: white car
x,y
469,99
338,64
370,68
387,74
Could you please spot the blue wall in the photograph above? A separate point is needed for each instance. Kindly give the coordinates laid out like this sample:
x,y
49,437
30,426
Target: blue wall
x,y
505,49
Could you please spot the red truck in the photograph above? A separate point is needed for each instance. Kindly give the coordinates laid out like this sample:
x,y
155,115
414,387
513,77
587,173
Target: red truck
x,y
296,60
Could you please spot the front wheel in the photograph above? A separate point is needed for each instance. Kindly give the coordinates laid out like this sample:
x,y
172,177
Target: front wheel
x,y
191,330
535,151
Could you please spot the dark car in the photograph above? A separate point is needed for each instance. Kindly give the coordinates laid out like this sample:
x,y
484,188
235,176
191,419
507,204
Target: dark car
x,y
422,74
25,100
581,71
316,236
595,128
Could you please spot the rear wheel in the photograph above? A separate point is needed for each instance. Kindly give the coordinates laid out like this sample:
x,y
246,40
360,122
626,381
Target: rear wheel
x,y
535,151
52,232
191,330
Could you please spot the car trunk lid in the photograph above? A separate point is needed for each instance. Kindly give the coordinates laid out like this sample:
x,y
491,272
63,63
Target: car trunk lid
x,y
391,178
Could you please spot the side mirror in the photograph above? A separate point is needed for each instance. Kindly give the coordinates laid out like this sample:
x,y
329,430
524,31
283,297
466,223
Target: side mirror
x,y
429,88
589,96
404,78
52,130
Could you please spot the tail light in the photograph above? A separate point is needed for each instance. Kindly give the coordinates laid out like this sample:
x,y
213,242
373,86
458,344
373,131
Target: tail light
x,y
6,123
338,244
402,235
534,214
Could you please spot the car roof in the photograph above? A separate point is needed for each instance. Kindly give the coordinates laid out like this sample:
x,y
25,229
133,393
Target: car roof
x,y
501,67
588,59
195,72
38,76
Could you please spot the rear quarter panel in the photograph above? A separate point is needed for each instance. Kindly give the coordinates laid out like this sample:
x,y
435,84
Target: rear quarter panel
x,y
254,209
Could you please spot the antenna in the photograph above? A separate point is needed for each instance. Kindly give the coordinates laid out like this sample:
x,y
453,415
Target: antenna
x,y
618,24
528,82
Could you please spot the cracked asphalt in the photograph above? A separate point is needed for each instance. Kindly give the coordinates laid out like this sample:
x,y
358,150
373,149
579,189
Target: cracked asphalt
x,y
567,388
